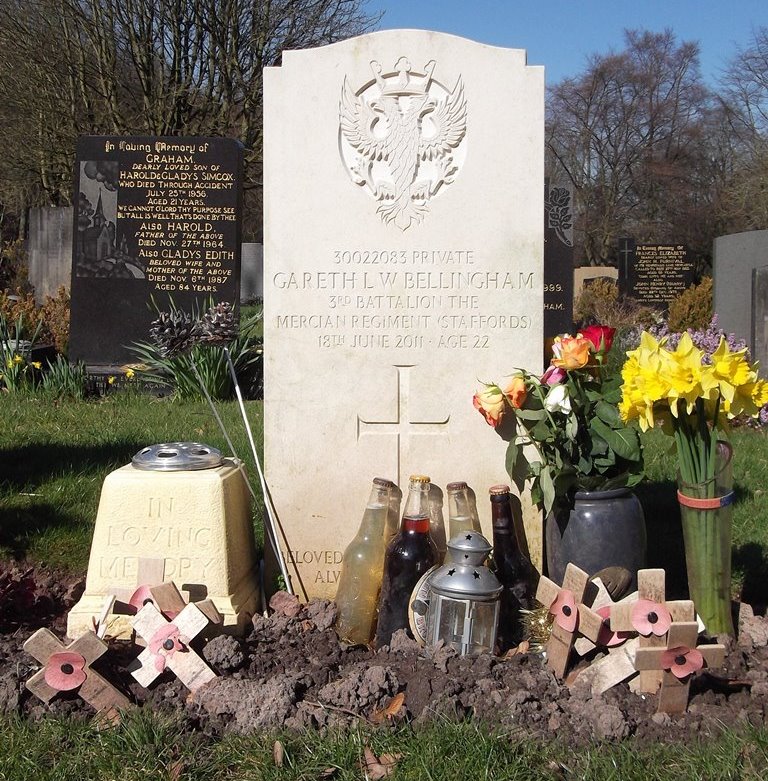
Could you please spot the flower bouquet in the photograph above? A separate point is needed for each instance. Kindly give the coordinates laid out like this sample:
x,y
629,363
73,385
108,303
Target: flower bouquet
x,y
564,429
692,394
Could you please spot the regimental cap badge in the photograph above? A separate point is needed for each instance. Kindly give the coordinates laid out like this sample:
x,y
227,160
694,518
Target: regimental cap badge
x,y
402,138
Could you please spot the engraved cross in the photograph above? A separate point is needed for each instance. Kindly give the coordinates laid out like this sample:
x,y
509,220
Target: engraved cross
x,y
404,427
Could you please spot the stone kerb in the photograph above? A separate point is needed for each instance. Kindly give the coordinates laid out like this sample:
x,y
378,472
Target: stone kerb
x,y
403,263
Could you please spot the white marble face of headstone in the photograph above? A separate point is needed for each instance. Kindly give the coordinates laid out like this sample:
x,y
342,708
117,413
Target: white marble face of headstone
x,y
403,260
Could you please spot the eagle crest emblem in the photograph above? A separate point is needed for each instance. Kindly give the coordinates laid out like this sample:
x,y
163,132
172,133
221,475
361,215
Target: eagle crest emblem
x,y
401,139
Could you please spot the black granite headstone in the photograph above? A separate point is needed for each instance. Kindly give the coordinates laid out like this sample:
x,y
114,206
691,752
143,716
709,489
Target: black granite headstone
x,y
558,260
654,274
156,224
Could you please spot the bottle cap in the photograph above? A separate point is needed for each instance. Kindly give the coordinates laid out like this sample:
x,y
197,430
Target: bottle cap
x,y
498,490
383,482
459,486
419,479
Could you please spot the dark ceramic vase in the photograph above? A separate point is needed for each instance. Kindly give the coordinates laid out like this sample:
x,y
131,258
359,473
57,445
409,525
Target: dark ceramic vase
x,y
602,529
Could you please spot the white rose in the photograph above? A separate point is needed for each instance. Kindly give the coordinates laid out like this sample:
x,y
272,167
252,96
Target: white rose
x,y
557,400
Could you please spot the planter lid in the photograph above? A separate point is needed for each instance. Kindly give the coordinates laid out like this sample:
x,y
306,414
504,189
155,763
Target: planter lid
x,y
177,457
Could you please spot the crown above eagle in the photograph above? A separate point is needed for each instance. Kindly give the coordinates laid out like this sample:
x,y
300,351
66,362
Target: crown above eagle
x,y
405,83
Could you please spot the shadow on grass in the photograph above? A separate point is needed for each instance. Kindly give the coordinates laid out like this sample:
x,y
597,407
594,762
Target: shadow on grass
x,y
22,527
30,466
751,559
665,534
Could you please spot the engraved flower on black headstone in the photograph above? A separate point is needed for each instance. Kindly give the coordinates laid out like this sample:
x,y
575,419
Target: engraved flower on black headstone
x,y
218,324
174,332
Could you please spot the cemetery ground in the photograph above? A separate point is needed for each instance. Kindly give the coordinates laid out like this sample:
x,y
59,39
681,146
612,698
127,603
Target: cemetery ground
x,y
460,718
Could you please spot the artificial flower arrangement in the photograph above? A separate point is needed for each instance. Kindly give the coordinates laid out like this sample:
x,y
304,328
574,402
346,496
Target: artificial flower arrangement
x,y
569,417
692,393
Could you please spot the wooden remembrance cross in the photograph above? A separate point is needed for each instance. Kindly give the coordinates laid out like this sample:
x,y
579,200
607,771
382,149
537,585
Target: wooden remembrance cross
x,y
69,669
168,646
651,616
571,615
677,662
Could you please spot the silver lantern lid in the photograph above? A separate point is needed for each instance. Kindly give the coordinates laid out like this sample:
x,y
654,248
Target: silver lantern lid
x,y
177,457
464,576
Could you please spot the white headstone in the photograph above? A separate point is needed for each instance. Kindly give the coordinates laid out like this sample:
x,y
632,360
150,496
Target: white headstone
x,y
403,261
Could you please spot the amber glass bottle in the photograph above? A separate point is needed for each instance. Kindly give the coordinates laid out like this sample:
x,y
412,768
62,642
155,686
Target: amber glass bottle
x,y
513,569
410,554
361,571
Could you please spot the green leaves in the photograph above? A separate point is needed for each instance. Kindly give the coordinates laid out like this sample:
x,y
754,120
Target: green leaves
x,y
578,435
623,441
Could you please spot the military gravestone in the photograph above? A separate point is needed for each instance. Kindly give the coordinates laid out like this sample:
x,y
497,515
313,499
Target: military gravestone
x,y
558,259
155,220
654,274
403,263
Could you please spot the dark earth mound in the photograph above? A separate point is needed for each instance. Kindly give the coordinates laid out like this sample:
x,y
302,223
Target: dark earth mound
x,y
291,671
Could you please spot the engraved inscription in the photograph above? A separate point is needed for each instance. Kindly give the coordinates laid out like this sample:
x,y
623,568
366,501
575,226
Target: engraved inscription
x,y
401,137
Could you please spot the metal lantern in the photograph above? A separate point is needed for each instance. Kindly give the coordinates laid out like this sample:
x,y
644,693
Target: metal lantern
x,y
464,597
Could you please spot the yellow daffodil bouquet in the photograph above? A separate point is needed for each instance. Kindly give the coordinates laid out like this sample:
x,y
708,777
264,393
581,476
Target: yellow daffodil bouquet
x,y
563,428
692,395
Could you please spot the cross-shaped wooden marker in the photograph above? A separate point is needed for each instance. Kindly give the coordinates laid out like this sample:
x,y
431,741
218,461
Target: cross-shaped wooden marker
x,y
569,606
168,646
68,668
650,615
619,663
680,654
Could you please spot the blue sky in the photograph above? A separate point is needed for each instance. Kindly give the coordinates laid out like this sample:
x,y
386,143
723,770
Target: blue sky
x,y
560,35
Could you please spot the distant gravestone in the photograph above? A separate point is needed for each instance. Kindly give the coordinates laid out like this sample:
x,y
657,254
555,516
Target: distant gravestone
x,y
558,259
403,264
156,219
49,249
759,330
654,274
736,258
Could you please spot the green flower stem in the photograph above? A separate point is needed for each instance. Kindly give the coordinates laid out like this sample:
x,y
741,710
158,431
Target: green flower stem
x,y
707,533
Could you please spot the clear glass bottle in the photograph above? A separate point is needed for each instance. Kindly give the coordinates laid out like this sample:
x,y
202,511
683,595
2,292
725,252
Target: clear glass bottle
x,y
357,594
514,570
409,555
462,515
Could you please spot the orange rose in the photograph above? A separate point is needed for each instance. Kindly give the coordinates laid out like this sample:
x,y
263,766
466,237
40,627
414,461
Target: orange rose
x,y
516,392
571,352
490,403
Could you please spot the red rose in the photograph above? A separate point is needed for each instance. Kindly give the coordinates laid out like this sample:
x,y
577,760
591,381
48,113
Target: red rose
x,y
601,337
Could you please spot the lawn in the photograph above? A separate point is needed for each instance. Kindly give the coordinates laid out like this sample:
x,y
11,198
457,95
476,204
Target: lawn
x,y
53,459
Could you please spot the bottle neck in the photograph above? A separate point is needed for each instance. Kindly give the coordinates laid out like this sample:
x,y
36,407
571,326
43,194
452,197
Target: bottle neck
x,y
501,514
417,504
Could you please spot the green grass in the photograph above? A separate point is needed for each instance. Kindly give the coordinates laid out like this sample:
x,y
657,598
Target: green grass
x,y
150,746
54,458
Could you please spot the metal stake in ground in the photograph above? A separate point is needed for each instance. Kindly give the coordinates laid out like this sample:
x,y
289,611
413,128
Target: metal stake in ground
x,y
168,647
68,668
650,615
676,662
572,616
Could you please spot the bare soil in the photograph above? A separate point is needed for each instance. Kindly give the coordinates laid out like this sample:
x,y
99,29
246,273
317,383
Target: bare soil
x,y
292,672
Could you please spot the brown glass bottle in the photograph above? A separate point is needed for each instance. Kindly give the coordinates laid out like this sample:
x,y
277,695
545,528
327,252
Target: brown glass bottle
x,y
513,569
410,554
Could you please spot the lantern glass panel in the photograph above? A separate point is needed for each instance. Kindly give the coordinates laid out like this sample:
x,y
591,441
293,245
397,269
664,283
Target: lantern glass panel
x,y
451,626
484,617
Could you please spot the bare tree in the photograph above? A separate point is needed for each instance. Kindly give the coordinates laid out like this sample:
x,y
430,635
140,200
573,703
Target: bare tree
x,y
627,134
156,67
743,201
